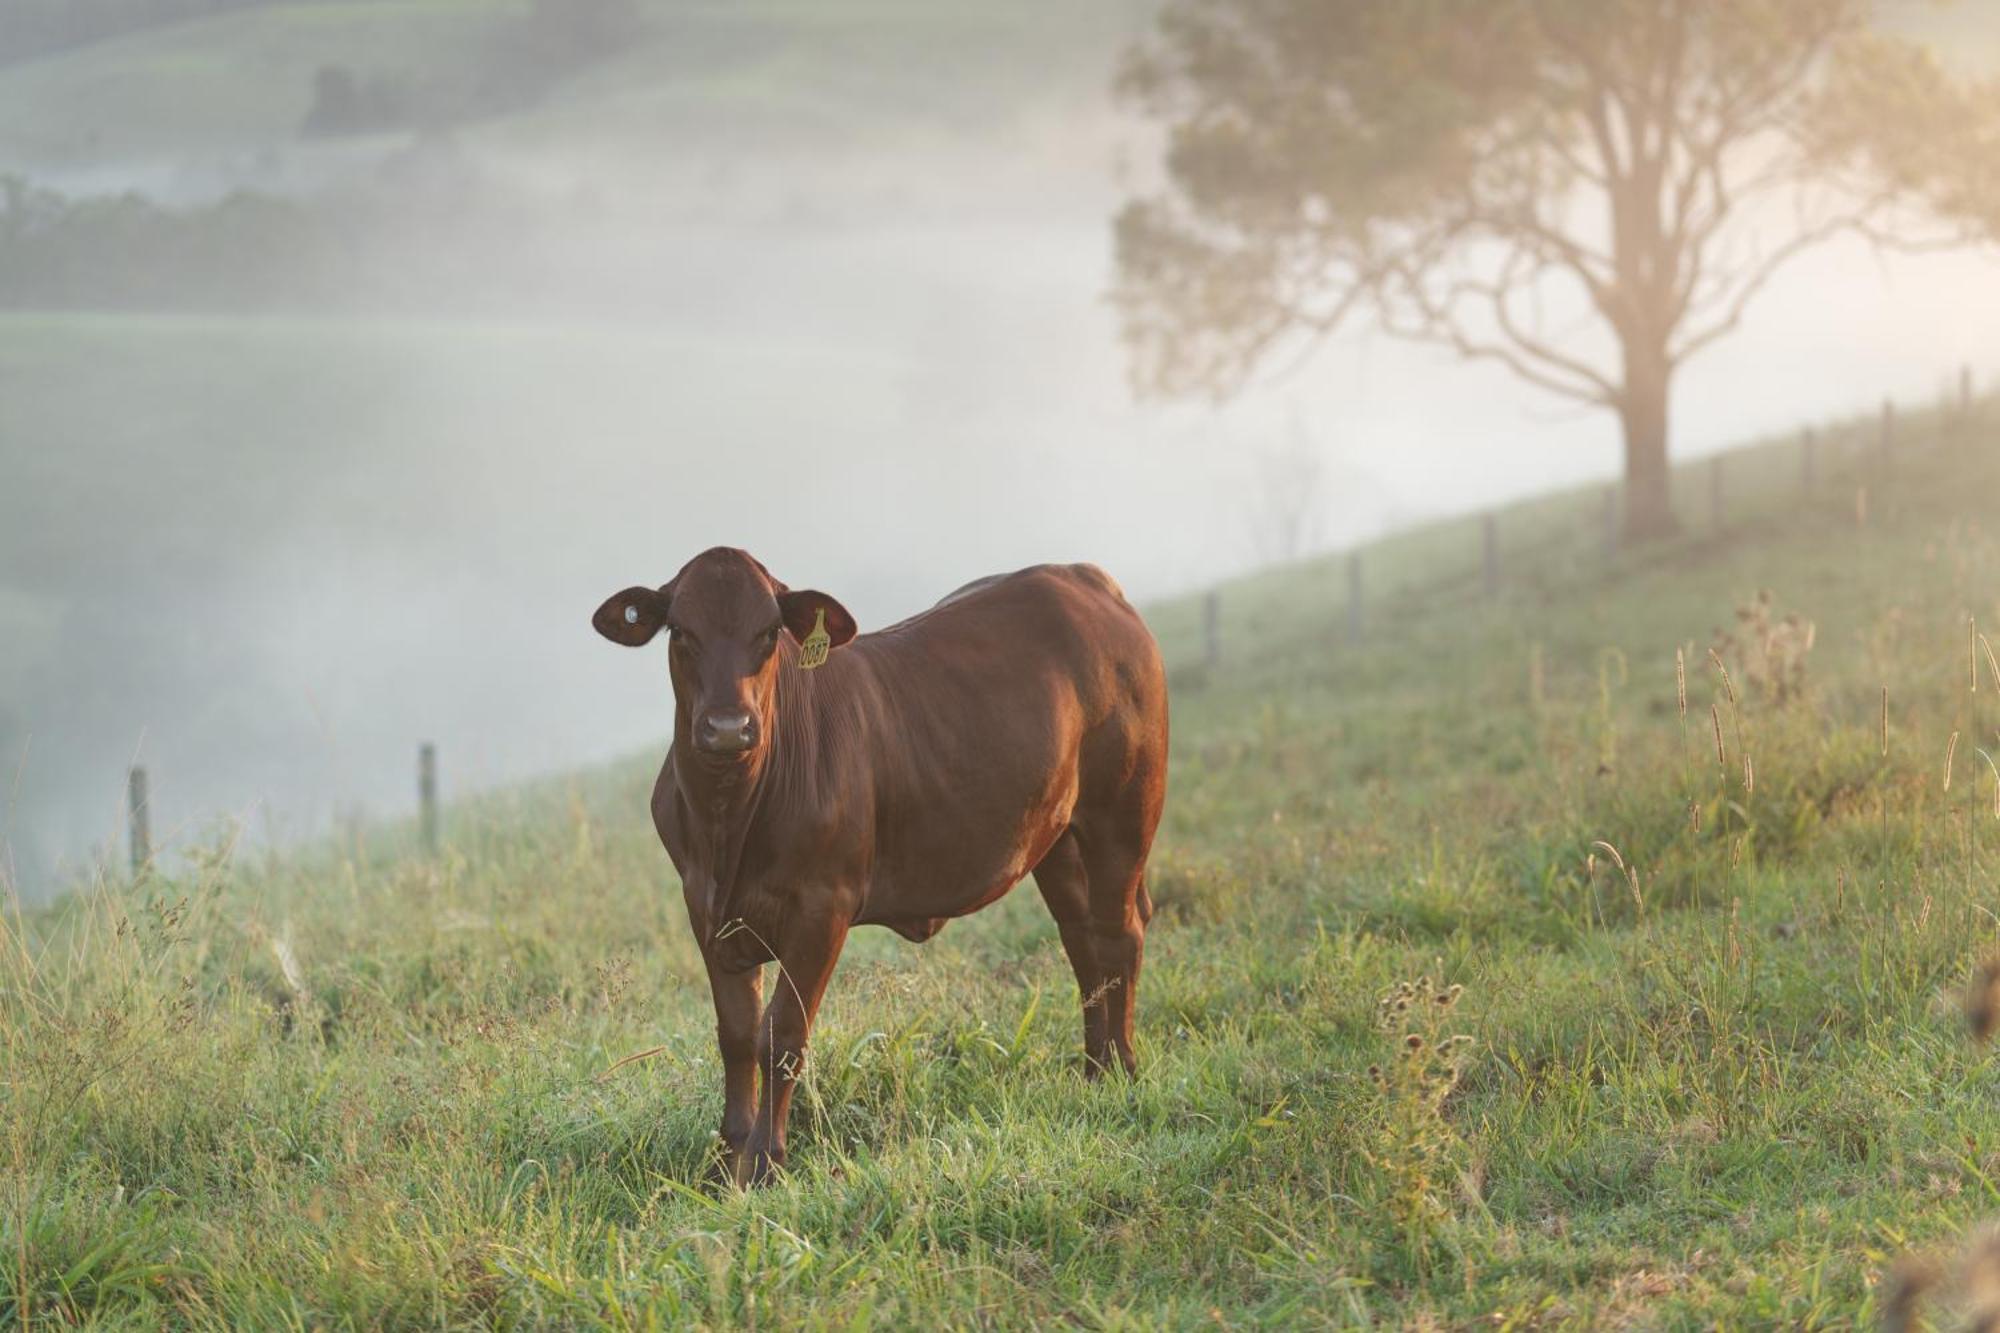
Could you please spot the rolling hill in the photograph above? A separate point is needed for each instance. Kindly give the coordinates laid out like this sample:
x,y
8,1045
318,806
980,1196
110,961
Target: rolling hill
x,y
1711,918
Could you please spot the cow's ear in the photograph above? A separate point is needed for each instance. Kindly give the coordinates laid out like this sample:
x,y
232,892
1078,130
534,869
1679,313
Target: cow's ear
x,y
632,617
802,609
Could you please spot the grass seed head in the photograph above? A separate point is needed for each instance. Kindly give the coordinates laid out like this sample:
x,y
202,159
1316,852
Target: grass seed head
x,y
1728,688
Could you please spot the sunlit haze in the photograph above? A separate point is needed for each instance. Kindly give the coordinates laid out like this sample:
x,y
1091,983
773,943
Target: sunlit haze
x,y
826,282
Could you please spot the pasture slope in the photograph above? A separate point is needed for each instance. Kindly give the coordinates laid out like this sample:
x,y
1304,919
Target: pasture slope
x,y
351,1088
698,76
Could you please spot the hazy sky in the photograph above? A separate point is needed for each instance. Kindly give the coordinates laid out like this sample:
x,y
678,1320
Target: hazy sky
x,y
272,553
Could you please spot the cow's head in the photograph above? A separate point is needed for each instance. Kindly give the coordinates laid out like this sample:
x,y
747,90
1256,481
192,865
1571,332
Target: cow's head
x,y
728,622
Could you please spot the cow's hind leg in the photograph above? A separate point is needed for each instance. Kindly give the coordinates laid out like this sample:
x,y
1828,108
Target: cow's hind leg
x,y
1065,888
1117,927
1114,835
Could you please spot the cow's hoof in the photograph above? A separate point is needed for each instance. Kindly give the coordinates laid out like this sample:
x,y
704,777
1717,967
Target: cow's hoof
x,y
758,1166
1095,1067
722,1160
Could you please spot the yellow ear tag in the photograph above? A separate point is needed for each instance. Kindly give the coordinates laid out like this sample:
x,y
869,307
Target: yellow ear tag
x,y
812,653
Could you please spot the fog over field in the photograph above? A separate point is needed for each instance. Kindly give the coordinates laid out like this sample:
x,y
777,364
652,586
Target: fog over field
x,y
827,282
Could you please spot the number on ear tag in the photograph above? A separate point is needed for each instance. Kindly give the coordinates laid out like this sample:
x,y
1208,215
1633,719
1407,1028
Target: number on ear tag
x,y
812,652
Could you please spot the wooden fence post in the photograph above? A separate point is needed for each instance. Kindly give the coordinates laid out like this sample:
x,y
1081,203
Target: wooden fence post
x,y
1211,628
140,820
1489,540
1809,460
427,796
1716,507
1354,621
1888,442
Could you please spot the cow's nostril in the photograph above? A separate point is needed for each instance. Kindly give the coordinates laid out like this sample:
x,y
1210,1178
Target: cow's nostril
x,y
727,733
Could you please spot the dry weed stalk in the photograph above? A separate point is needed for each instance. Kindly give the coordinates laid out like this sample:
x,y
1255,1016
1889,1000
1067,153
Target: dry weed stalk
x,y
1966,1284
1773,650
1995,768
1910,1280
1982,1000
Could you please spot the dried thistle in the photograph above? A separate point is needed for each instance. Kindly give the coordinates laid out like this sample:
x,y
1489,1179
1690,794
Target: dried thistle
x,y
1772,650
1979,1279
1982,1000
1411,1141
1912,1279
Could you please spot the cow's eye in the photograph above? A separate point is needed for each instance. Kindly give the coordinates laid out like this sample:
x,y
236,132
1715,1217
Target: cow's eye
x,y
686,642
767,642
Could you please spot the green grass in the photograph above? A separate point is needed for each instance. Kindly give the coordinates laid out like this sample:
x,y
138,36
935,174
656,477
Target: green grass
x,y
1726,1092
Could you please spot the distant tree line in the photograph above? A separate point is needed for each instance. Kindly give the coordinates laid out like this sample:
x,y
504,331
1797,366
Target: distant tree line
x,y
427,228
249,250
126,252
554,38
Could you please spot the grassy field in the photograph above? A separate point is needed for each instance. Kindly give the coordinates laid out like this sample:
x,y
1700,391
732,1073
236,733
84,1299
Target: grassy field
x,y
1726,1085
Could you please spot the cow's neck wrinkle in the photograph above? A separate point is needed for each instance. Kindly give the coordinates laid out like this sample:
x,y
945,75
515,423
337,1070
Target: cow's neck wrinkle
x,y
718,808
721,805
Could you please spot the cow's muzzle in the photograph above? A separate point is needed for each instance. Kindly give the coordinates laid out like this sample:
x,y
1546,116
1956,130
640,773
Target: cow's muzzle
x,y
725,733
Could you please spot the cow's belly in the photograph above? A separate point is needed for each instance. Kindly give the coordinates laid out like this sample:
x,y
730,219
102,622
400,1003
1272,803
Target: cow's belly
x,y
944,871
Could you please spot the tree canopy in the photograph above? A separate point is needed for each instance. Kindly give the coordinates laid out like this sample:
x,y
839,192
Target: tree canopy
x,y
1587,192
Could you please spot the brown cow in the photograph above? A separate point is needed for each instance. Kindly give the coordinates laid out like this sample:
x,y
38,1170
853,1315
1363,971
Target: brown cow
x,y
1020,725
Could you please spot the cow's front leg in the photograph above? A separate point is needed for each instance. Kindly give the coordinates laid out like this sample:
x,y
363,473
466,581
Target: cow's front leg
x,y
806,957
738,998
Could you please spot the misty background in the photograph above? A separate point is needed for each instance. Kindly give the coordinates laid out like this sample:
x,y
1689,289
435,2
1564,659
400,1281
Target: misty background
x,y
351,352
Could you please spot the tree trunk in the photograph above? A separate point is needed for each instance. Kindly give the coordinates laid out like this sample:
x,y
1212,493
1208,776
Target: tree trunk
x,y
1649,509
